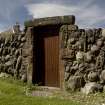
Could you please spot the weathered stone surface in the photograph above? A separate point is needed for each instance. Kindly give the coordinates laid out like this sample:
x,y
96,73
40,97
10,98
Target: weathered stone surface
x,y
21,45
72,27
75,83
24,78
88,57
67,68
93,77
99,42
19,38
79,56
3,75
58,20
28,54
94,48
102,76
67,75
10,52
88,60
104,88
71,41
68,54
103,32
9,63
7,57
23,39
18,64
92,87
16,52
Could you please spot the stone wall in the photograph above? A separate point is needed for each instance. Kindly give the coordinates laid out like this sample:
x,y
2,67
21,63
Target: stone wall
x,y
11,46
83,53
28,54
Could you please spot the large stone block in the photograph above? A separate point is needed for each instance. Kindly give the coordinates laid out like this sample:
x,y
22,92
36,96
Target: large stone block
x,y
58,20
92,87
75,83
103,32
72,27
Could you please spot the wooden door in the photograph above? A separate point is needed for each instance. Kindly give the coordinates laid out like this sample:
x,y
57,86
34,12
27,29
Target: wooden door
x,y
46,56
51,49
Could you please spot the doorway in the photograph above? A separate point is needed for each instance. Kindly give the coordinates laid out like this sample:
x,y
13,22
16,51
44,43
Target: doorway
x,y
46,56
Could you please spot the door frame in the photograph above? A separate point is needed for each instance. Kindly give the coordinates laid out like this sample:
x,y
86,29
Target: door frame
x,y
61,63
29,26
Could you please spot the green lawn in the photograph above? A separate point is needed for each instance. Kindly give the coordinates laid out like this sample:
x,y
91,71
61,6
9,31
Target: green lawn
x,y
12,93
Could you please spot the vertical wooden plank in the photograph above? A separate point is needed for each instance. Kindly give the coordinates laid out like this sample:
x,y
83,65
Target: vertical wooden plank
x,y
51,45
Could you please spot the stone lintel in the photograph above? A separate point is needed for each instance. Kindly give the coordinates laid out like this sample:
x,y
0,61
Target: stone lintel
x,y
58,20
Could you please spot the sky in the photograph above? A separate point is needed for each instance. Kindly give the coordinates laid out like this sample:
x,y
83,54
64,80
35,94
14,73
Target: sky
x,y
88,13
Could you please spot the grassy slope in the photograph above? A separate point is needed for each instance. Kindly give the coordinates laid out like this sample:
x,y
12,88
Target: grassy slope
x,y
12,93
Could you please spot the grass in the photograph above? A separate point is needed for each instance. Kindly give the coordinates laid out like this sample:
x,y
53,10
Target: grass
x,y
12,93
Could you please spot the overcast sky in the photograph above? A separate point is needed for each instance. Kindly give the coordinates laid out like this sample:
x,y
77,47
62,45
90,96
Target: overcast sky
x,y
88,13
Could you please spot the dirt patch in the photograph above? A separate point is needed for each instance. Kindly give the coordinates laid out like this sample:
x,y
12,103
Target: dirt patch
x,y
42,93
45,91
